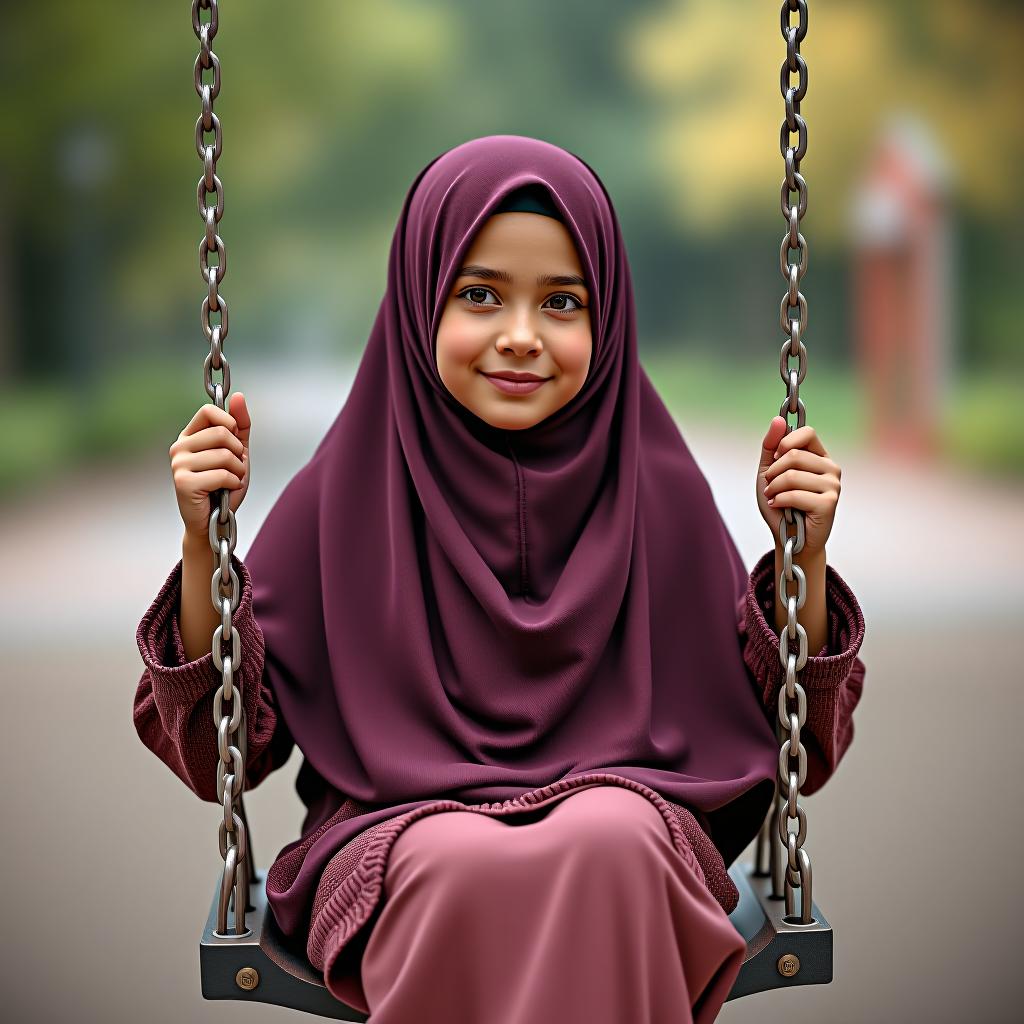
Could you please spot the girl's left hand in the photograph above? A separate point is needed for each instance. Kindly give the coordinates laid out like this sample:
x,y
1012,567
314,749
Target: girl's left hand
x,y
800,476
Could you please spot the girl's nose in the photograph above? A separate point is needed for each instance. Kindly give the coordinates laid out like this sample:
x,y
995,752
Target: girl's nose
x,y
521,342
522,336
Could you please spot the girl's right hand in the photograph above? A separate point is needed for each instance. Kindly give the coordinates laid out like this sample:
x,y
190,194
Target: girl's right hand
x,y
210,453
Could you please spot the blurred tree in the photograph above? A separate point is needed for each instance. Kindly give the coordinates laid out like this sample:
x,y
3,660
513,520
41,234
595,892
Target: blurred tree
x,y
330,109
292,83
957,65
713,71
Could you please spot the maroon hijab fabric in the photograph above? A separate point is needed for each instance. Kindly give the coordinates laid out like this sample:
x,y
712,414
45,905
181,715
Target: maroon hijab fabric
x,y
456,610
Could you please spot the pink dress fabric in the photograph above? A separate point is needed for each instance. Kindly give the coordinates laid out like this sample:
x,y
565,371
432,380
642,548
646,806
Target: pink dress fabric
x,y
352,896
582,910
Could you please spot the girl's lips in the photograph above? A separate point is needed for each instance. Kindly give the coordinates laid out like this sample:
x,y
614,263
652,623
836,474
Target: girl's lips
x,y
515,387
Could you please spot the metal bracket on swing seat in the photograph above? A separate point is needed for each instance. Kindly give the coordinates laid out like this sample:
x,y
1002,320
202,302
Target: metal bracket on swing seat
x,y
261,967
779,954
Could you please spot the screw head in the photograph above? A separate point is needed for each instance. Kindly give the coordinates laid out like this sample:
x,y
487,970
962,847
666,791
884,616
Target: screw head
x,y
788,964
247,978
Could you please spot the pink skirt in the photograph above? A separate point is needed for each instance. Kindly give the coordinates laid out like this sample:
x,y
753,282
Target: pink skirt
x,y
581,910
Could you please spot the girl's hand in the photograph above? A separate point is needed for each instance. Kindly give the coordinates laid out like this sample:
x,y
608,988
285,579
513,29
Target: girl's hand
x,y
801,476
211,452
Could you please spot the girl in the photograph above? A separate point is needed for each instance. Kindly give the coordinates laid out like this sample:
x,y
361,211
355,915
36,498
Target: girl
x,y
510,632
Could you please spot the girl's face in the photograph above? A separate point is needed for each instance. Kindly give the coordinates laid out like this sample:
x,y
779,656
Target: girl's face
x,y
519,303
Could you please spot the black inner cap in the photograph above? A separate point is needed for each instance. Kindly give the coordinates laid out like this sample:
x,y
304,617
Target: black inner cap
x,y
532,198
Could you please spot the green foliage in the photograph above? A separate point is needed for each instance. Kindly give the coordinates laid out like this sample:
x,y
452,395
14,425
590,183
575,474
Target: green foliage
x,y
710,387
985,428
55,427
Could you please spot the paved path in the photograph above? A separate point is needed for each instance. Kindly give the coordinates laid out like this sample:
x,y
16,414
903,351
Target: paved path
x,y
111,861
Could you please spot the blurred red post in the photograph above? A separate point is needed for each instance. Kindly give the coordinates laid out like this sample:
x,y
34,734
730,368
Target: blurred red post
x,y
903,289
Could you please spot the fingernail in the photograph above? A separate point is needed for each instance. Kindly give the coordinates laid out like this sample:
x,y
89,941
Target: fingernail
x,y
770,500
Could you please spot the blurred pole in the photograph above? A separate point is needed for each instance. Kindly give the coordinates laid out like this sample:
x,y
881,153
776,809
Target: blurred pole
x,y
7,307
84,166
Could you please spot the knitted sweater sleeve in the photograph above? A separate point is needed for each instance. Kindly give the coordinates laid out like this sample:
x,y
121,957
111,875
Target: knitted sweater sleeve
x,y
173,709
833,678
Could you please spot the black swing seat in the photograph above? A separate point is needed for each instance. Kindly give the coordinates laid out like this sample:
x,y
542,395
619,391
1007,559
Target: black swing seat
x,y
262,967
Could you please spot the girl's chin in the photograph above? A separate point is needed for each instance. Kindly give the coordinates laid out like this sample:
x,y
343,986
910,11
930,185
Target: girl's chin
x,y
506,417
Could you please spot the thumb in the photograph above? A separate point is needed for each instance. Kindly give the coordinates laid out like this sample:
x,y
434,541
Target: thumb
x,y
776,432
240,411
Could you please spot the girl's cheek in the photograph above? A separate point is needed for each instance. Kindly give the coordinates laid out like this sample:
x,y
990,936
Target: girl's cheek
x,y
458,342
574,355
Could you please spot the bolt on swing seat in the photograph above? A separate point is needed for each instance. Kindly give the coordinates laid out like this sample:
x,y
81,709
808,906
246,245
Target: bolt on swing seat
x,y
256,961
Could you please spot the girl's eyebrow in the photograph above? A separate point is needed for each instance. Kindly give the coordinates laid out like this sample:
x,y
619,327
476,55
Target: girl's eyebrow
x,y
487,273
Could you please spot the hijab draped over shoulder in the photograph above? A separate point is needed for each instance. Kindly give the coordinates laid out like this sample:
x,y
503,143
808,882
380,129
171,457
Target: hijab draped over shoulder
x,y
455,610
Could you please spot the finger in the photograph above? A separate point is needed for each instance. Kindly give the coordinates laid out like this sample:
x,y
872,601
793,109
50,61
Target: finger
x,y
799,458
214,458
210,415
806,501
218,436
214,437
802,437
798,479
211,480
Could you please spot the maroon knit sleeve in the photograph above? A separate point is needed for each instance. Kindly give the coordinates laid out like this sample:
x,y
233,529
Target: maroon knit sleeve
x,y
173,710
833,678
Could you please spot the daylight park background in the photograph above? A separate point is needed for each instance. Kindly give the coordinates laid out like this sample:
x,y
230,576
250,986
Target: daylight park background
x,y
915,383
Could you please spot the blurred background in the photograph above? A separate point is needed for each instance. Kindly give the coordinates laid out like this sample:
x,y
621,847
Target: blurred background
x,y
915,384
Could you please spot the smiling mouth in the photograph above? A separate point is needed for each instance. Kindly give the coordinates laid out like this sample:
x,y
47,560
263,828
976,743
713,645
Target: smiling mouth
x,y
516,387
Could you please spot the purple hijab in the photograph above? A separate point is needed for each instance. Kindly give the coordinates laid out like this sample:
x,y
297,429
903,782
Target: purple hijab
x,y
456,610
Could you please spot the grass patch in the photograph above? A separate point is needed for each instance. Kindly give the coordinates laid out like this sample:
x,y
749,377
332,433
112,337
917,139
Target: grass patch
x,y
747,396
983,427
51,428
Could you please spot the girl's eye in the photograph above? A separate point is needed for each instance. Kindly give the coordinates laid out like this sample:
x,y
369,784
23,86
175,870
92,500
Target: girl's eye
x,y
468,295
571,298
467,292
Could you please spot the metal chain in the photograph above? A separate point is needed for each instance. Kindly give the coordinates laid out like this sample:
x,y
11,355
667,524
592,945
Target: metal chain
x,y
225,590
792,755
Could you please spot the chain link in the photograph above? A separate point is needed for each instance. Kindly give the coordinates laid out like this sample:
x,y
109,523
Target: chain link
x,y
792,753
225,589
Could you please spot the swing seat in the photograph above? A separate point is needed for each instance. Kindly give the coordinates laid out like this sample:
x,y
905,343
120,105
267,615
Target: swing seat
x,y
779,954
283,976
261,967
